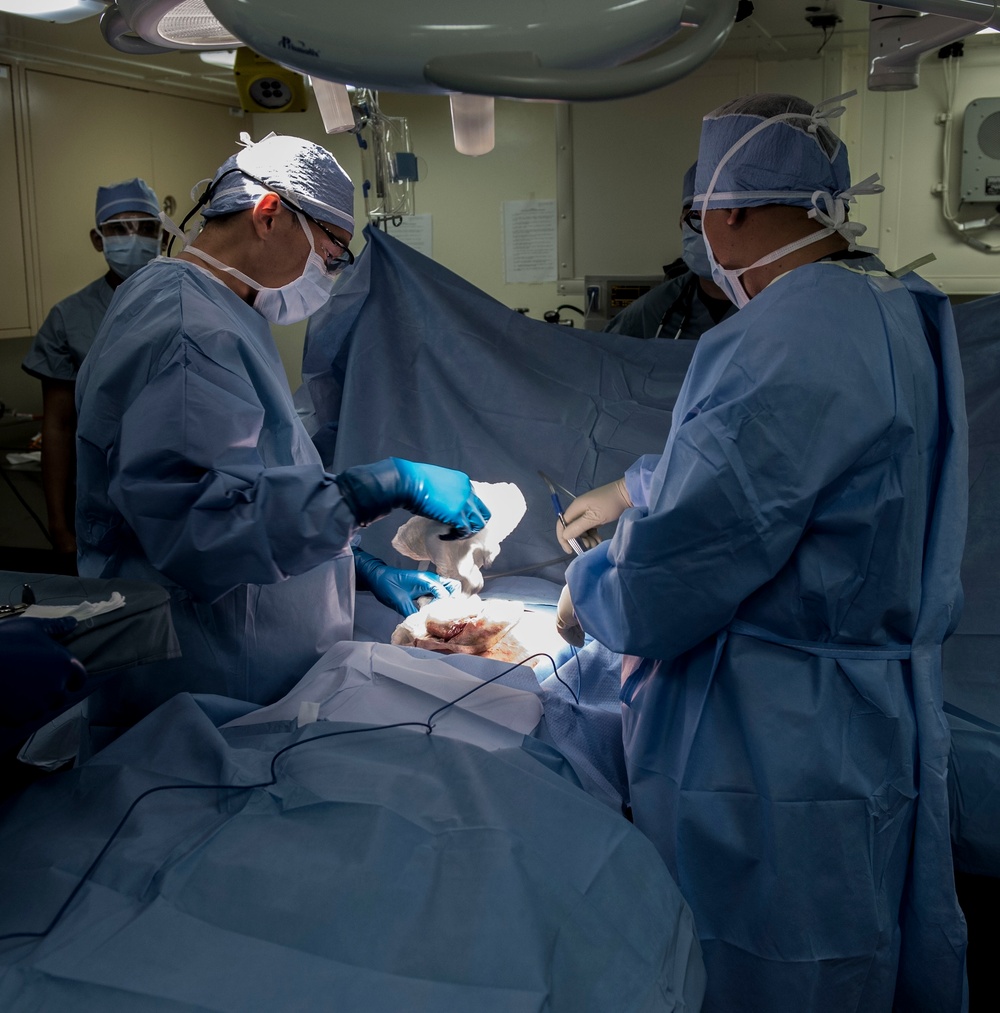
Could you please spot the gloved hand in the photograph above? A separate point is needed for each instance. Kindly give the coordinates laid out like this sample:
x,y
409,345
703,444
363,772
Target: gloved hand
x,y
399,589
567,625
38,674
586,513
443,495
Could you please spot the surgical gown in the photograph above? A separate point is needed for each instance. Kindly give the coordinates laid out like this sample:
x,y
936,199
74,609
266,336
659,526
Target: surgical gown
x,y
195,472
782,589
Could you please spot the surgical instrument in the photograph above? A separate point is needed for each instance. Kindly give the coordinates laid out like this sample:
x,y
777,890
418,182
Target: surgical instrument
x,y
557,506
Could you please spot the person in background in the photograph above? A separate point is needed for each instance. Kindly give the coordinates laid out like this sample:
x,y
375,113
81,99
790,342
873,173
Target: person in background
x,y
195,470
781,580
127,231
688,302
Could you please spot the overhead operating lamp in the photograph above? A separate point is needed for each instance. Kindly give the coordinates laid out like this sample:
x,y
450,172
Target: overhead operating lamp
x,y
571,50
161,26
61,11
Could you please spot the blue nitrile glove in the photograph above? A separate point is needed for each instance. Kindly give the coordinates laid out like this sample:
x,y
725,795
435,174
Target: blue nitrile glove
x,y
38,674
399,589
443,495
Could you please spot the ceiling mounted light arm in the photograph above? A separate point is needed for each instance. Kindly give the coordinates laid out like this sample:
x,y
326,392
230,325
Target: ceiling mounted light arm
x,y
982,12
900,35
119,35
521,75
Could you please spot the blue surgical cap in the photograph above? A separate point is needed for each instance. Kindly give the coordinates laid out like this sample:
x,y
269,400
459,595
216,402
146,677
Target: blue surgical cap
x,y
130,195
687,187
785,162
305,173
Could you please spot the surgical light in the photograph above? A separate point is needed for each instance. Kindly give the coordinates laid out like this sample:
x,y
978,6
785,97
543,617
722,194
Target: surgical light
x,y
60,11
160,26
569,50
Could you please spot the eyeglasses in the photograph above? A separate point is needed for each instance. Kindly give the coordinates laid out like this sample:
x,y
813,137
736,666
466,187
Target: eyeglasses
x,y
333,264
147,228
692,219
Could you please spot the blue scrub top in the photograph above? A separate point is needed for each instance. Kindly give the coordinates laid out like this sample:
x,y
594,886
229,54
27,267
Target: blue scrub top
x,y
663,305
194,471
68,332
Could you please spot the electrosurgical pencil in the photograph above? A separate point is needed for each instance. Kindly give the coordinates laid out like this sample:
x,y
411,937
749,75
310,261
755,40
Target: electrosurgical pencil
x,y
557,506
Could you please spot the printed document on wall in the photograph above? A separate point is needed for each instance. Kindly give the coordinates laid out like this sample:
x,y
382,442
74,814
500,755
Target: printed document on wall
x,y
529,239
417,231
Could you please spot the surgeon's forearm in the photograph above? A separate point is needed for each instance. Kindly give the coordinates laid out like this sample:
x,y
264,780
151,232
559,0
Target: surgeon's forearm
x,y
225,530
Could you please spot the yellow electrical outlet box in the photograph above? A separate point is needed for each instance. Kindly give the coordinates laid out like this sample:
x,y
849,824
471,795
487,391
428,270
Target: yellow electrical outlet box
x,y
267,87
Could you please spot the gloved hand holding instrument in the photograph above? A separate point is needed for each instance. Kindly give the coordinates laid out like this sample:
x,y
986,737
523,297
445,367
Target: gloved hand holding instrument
x,y
587,512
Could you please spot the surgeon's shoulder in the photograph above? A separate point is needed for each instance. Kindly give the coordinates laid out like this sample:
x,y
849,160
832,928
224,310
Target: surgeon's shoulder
x,y
824,296
810,326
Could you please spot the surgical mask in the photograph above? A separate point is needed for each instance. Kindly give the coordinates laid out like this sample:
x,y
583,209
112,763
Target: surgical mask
x,y
290,303
830,210
693,252
729,279
126,254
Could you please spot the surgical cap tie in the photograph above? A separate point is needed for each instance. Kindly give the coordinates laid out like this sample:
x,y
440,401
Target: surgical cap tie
x,y
821,116
833,213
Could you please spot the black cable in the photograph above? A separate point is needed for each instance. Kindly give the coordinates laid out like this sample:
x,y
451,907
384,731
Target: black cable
x,y
827,36
203,200
567,306
532,567
579,669
263,784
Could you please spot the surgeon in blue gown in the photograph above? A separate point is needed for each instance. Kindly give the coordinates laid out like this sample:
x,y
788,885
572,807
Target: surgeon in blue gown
x,y
194,469
781,579
687,302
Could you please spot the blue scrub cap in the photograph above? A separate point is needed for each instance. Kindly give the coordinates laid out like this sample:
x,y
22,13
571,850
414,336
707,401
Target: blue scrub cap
x,y
130,195
687,187
779,149
786,162
307,174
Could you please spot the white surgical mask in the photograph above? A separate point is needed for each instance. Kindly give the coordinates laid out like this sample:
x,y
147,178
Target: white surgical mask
x,y
729,279
126,254
828,209
693,252
290,303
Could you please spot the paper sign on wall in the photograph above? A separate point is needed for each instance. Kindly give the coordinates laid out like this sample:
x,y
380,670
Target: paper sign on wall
x,y
529,240
416,231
